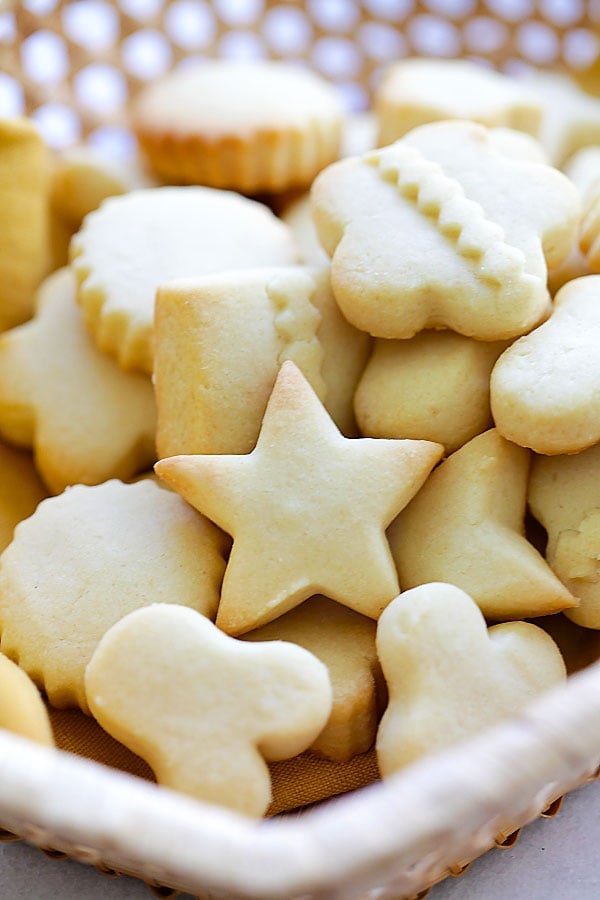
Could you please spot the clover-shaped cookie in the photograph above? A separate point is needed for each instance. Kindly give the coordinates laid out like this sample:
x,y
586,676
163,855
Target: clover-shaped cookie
x,y
345,641
466,527
443,230
306,509
545,389
88,557
220,341
449,676
85,418
564,495
204,710
132,244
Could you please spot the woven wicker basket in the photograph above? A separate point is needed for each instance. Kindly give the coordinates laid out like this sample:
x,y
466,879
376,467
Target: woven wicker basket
x,y
73,65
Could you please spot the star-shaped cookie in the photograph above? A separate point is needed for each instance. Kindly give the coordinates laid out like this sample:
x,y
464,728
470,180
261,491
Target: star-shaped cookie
x,y
307,509
466,527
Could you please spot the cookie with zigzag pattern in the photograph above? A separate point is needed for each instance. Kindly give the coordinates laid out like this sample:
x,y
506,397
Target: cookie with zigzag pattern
x,y
444,229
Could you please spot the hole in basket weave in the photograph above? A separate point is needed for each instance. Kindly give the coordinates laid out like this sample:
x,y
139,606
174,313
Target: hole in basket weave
x,y
506,843
106,870
457,871
53,854
159,890
190,25
7,837
287,30
553,809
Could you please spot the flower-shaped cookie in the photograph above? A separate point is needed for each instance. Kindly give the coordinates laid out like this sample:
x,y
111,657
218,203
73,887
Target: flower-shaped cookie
x,y
450,677
85,418
444,230
307,509
134,243
466,527
204,710
545,388
87,558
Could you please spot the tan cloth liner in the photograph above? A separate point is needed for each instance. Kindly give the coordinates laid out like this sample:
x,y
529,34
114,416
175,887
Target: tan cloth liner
x,y
306,779
301,781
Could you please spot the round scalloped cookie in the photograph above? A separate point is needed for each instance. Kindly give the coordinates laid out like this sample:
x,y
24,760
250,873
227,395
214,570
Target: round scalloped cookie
x,y
87,558
134,243
249,126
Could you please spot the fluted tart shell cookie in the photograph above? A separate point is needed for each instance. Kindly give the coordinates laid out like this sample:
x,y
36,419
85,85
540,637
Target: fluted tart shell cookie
x,y
246,126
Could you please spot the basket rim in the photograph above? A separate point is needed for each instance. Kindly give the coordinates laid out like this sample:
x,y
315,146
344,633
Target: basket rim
x,y
436,806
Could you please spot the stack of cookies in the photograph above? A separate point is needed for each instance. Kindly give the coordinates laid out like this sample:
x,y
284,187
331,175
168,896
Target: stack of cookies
x,y
278,473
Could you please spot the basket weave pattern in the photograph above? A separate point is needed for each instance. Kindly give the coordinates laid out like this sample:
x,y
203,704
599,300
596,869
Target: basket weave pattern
x,y
83,60
391,840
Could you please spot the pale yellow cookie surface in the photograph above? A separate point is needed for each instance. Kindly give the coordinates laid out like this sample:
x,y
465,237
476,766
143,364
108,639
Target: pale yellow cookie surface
x,y
345,642
570,116
298,216
204,710
443,230
220,342
22,710
564,495
583,168
20,490
248,126
545,389
466,527
432,387
24,242
449,676
134,243
83,179
307,509
85,418
413,92
99,552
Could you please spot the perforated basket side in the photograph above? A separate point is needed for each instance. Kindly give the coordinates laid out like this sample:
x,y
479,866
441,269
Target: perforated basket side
x,y
74,65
